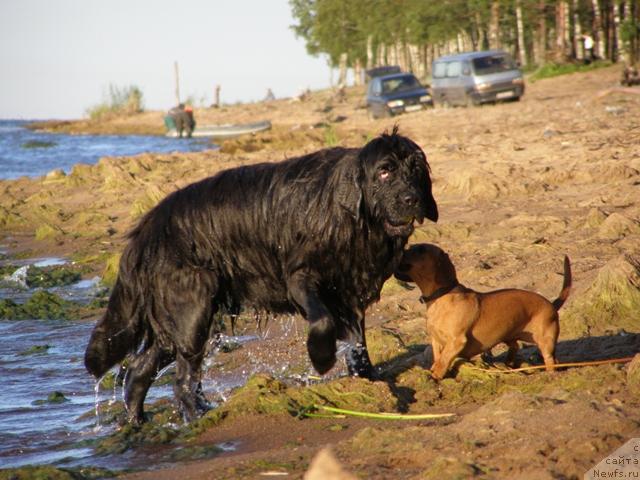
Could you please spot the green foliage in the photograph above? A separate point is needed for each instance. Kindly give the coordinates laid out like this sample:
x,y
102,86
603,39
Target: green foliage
x,y
554,69
120,101
629,29
333,27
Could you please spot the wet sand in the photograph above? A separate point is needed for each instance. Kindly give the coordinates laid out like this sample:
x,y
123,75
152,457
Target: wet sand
x,y
519,185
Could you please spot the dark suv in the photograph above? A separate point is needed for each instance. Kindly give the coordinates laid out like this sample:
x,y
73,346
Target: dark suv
x,y
396,93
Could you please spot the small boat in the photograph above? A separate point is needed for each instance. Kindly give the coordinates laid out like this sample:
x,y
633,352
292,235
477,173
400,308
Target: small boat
x,y
226,131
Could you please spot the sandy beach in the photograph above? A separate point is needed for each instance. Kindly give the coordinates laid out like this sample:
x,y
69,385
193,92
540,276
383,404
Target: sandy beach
x,y
519,185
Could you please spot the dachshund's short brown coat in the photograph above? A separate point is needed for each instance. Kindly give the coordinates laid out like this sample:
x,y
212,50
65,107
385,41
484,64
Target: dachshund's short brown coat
x,y
464,323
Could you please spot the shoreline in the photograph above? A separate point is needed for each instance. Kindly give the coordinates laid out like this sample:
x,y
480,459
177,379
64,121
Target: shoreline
x,y
518,186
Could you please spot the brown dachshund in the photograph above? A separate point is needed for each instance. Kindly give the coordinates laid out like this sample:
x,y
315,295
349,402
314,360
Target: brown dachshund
x,y
465,323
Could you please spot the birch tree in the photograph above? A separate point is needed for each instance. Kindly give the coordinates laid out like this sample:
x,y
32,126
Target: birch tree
x,y
522,50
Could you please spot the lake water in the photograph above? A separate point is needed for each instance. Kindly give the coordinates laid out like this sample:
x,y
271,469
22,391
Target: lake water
x,y
25,152
33,431
39,357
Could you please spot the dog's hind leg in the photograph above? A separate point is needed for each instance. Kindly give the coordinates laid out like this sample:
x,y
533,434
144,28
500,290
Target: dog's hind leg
x,y
546,340
547,348
188,387
188,309
512,353
141,372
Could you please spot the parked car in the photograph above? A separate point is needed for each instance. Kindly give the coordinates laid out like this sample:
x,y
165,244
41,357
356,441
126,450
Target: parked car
x,y
475,78
397,93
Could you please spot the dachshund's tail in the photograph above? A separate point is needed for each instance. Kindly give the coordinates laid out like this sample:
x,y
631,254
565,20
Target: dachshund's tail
x,y
116,334
566,285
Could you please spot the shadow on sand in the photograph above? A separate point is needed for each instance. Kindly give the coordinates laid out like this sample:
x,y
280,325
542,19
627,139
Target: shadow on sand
x,y
586,349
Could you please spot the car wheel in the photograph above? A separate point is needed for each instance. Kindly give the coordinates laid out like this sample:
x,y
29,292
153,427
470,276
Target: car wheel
x,y
442,102
469,101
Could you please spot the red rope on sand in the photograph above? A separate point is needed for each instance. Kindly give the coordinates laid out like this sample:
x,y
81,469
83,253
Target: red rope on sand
x,y
560,365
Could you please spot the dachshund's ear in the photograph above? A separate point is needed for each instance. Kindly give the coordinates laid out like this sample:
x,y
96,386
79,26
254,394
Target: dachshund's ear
x,y
349,188
402,272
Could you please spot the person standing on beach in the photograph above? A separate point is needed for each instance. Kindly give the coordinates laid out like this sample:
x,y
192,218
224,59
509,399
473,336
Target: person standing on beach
x,y
181,118
588,48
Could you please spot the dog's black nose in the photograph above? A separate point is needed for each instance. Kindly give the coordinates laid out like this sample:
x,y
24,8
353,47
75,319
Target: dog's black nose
x,y
410,199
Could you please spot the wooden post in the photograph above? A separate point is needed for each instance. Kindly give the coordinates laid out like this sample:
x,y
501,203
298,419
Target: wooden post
x,y
175,69
216,97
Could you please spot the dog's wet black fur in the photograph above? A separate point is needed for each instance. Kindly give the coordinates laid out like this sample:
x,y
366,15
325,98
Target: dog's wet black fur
x,y
317,235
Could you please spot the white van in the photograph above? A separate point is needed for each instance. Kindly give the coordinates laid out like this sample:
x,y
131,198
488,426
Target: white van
x,y
475,78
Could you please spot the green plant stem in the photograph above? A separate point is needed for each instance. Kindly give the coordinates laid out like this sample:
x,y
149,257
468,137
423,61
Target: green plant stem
x,y
386,416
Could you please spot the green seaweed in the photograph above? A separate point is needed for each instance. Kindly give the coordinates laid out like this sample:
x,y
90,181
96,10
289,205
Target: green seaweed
x,y
36,350
46,231
48,472
38,144
46,305
611,303
42,305
110,272
53,276
52,398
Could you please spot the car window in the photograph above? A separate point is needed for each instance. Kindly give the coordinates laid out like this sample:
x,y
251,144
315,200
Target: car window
x,y
439,70
454,69
400,84
493,64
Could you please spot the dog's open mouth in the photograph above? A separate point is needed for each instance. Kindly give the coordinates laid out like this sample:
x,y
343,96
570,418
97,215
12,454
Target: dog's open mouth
x,y
399,229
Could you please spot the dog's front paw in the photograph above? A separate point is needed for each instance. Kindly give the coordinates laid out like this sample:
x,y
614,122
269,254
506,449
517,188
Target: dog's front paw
x,y
359,364
321,345
437,372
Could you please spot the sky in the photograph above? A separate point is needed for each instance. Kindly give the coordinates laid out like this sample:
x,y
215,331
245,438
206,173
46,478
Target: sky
x,y
59,57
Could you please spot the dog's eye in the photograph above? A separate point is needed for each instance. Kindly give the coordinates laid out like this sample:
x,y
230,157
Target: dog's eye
x,y
385,172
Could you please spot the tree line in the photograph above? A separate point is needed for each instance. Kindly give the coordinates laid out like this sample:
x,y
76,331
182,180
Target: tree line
x,y
363,34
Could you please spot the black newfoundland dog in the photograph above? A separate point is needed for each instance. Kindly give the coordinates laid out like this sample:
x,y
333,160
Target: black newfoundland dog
x,y
317,235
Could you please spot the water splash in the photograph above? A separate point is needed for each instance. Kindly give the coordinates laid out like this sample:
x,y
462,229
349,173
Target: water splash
x,y
18,278
96,390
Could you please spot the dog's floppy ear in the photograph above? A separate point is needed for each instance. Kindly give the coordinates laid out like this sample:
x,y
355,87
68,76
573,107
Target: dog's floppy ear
x,y
348,189
402,273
